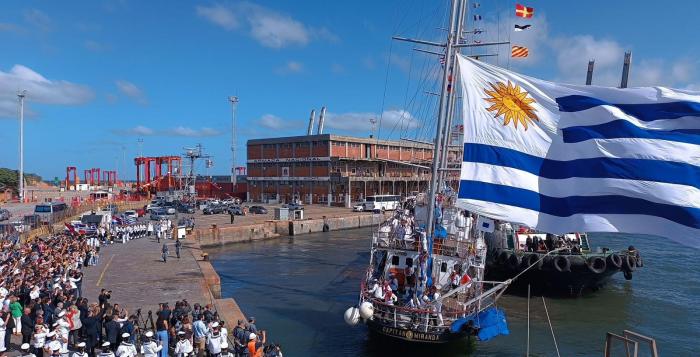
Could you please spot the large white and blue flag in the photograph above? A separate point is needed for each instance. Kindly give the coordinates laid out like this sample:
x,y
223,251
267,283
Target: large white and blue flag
x,y
563,158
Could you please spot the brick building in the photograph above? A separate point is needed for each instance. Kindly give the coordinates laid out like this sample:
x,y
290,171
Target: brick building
x,y
336,169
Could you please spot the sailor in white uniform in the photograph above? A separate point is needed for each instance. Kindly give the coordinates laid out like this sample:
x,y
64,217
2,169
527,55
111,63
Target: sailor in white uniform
x,y
214,341
183,348
150,348
80,350
25,351
126,348
106,351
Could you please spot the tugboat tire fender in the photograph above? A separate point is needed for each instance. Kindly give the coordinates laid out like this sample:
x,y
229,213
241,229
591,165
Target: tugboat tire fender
x,y
614,261
531,259
514,261
561,264
596,265
627,274
629,263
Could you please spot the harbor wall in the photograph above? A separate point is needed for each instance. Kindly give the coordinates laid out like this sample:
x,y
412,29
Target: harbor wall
x,y
216,236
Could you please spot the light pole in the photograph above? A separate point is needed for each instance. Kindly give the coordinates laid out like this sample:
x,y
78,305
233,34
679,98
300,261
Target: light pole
x,y
234,101
20,95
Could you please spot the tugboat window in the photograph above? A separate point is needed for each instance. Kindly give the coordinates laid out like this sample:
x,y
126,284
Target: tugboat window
x,y
443,267
395,260
409,262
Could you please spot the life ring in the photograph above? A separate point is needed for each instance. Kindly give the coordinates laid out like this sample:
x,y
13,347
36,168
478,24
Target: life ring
x,y
514,261
629,263
596,265
614,261
532,259
562,264
502,257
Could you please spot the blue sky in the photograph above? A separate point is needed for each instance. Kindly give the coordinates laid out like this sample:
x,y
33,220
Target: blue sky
x,y
102,74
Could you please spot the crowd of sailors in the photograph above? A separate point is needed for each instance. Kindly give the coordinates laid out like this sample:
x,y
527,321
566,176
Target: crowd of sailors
x,y
41,300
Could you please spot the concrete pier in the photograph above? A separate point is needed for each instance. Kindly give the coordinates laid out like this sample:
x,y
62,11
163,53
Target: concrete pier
x,y
139,279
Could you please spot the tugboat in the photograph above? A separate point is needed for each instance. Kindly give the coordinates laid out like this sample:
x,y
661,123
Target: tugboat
x,y
551,264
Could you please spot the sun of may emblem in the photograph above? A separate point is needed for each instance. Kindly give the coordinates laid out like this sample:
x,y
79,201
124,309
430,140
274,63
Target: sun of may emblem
x,y
514,104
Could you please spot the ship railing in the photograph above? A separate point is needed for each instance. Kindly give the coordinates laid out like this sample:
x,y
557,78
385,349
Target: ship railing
x,y
426,320
449,246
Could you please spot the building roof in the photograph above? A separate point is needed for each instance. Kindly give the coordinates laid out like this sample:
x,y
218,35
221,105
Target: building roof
x,y
333,137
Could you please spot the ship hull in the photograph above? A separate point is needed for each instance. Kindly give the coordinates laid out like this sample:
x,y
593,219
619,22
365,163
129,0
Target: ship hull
x,y
403,334
548,281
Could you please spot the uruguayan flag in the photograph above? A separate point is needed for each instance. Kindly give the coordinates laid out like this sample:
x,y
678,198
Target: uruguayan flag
x,y
563,158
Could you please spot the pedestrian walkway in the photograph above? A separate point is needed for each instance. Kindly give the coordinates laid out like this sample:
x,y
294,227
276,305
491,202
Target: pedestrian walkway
x,y
138,277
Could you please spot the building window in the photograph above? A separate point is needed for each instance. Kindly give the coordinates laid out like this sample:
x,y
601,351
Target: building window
x,y
353,170
285,171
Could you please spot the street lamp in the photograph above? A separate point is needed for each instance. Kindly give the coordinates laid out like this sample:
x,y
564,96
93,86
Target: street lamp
x,y
234,101
20,95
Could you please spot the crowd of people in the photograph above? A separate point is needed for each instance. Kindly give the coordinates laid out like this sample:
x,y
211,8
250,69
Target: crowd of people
x,y
42,301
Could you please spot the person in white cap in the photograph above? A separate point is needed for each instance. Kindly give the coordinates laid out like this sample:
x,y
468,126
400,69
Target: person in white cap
x,y
214,340
150,348
25,350
80,350
183,348
126,348
52,343
106,350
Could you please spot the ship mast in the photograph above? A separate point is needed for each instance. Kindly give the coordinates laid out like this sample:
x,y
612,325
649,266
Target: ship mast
x,y
458,9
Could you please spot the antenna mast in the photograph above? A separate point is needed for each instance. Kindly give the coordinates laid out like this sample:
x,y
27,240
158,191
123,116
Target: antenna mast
x,y
234,102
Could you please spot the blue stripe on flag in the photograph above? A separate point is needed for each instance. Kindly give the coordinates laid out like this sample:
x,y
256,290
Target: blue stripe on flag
x,y
568,206
599,167
644,112
624,129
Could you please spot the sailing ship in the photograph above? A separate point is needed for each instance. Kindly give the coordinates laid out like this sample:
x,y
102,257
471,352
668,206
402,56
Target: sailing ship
x,y
425,279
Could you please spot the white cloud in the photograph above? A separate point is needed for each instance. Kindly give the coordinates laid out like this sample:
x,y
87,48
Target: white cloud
x,y
132,91
274,122
187,131
351,122
270,28
360,122
95,46
39,90
38,19
291,67
337,68
219,15
141,130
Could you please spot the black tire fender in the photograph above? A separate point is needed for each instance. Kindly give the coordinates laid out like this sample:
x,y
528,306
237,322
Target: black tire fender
x,y
514,261
561,264
614,260
532,259
596,265
629,263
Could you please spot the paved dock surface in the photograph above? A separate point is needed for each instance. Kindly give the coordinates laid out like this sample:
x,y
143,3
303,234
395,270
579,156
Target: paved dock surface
x,y
139,279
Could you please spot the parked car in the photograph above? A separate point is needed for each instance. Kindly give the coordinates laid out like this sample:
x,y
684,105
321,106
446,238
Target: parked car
x,y
158,214
293,206
257,210
131,214
185,208
237,210
360,207
4,214
214,209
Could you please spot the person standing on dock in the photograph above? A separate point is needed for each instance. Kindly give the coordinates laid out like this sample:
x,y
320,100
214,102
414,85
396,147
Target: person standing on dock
x,y
150,228
178,245
233,216
165,252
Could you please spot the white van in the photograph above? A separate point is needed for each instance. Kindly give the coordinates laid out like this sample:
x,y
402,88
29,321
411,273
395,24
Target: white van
x,y
382,202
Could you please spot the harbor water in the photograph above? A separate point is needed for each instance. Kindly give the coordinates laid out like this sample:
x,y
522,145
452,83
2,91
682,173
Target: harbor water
x,y
298,288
